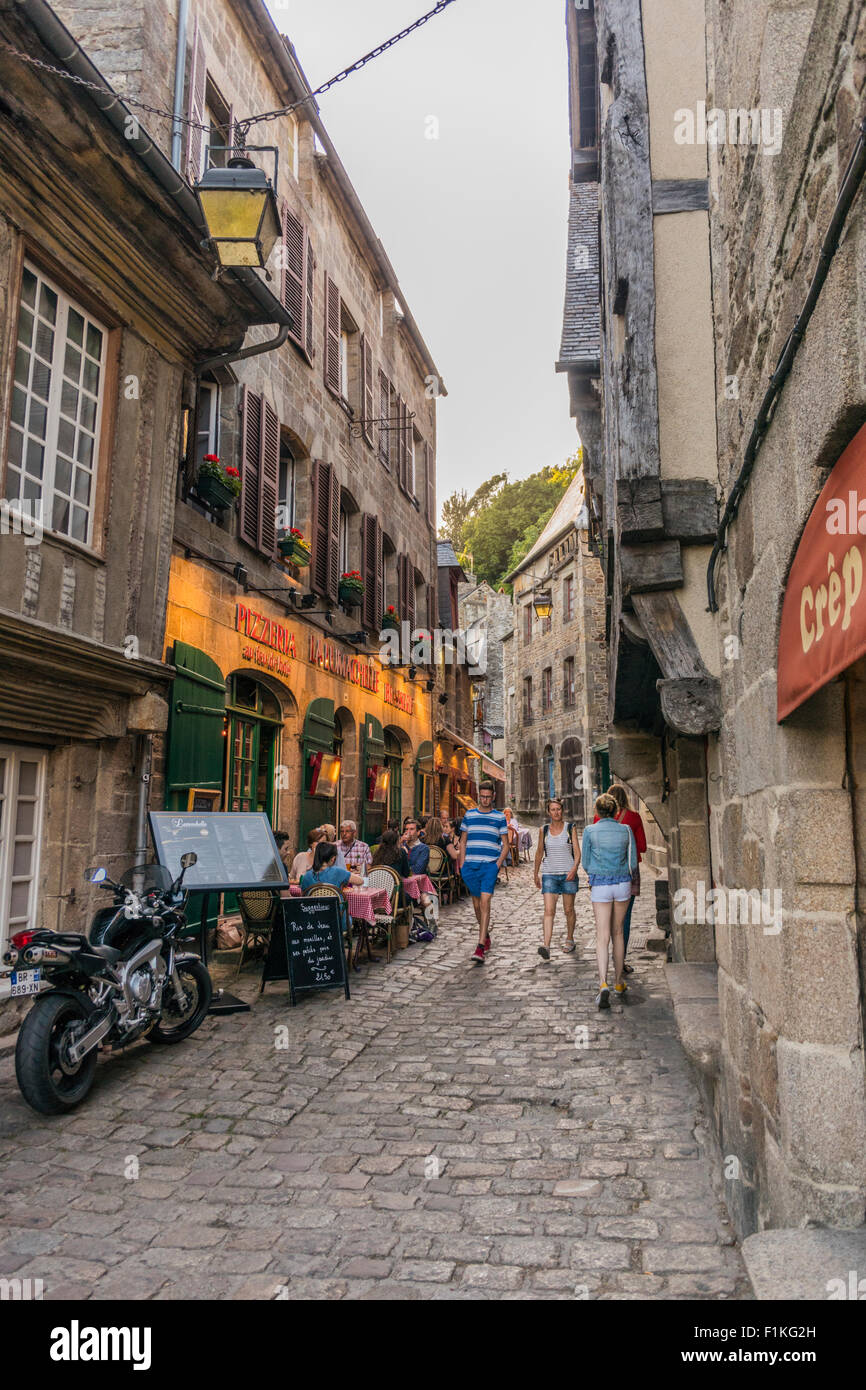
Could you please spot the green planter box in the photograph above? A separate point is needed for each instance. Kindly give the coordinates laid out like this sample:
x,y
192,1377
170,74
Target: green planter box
x,y
293,552
214,493
350,596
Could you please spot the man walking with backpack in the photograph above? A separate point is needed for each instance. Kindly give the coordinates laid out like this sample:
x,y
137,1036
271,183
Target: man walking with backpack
x,y
483,847
557,857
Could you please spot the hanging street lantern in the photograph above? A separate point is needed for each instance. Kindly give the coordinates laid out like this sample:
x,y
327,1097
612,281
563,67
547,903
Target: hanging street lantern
x,y
542,603
239,205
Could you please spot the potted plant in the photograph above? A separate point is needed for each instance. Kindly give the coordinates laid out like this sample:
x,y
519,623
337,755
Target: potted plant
x,y
390,618
293,547
351,590
217,484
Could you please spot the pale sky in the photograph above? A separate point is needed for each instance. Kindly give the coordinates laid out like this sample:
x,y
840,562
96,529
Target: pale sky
x,y
475,222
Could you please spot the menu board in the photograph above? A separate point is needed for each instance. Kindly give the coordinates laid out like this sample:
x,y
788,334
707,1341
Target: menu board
x,y
236,849
306,946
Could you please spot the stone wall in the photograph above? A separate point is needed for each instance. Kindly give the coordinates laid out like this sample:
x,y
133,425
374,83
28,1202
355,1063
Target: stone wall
x,y
792,1096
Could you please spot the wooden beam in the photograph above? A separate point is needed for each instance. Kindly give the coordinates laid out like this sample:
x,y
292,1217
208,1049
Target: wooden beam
x,y
692,706
680,195
639,509
650,567
669,635
628,361
690,509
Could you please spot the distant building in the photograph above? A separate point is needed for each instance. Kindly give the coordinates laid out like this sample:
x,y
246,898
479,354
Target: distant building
x,y
556,683
486,616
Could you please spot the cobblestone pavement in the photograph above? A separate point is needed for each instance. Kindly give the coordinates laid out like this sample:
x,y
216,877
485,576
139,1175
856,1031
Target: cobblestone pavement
x,y
440,1135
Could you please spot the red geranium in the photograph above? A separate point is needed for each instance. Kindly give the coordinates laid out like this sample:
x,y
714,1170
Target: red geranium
x,y
233,472
212,458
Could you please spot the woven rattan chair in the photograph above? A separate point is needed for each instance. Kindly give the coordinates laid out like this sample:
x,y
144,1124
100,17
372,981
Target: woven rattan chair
x,y
439,873
386,878
258,913
330,890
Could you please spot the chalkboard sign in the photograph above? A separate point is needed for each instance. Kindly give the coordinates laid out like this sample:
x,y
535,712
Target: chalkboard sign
x,y
306,946
236,849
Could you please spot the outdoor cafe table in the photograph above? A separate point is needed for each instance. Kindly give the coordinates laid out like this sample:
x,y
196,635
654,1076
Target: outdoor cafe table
x,y
363,903
417,884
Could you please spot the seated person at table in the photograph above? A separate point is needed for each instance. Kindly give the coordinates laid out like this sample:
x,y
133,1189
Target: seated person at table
x,y
330,834
326,870
439,833
390,854
282,840
355,852
303,860
419,858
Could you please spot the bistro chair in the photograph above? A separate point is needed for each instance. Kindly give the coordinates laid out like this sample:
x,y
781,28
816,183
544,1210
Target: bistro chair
x,y
513,847
330,890
386,878
400,900
259,912
439,873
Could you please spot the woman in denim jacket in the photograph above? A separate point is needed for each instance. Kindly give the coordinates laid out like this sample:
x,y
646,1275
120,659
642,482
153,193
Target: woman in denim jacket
x,y
609,856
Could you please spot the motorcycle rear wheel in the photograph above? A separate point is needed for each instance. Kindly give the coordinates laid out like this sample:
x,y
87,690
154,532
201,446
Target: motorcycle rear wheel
x,y
48,1081
175,1025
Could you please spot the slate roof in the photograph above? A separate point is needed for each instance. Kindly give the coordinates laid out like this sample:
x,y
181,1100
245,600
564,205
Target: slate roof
x,y
445,556
581,323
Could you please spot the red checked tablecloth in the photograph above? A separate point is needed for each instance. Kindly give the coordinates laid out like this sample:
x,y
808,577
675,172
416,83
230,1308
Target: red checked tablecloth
x,y
418,884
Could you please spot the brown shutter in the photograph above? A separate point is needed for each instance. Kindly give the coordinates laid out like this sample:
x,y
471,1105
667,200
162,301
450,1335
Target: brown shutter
x,y
195,108
332,336
334,537
367,408
320,529
310,266
295,244
403,443
379,573
431,607
430,471
251,447
269,480
369,616
410,593
384,413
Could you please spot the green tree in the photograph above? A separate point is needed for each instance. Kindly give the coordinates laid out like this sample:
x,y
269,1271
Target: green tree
x,y
524,543
503,527
459,508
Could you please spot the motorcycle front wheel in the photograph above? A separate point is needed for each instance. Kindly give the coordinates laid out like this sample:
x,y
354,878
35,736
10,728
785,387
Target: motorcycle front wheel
x,y
178,1021
49,1082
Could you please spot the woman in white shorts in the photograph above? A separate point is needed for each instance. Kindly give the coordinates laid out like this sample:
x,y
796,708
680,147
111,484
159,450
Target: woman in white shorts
x,y
609,856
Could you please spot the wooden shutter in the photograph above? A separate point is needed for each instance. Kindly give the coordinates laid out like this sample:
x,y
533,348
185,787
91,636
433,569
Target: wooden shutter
x,y
384,412
332,337
403,444
430,472
196,104
379,574
269,480
309,340
431,607
325,566
410,593
367,408
293,273
369,615
251,450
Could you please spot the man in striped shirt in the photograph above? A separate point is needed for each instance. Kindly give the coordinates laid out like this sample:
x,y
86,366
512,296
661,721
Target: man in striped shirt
x,y
483,847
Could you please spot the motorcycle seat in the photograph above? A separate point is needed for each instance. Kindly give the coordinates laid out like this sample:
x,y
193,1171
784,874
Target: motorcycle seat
x,y
108,953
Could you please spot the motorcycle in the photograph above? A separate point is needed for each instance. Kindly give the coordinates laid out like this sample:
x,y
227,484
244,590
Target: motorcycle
x,y
126,981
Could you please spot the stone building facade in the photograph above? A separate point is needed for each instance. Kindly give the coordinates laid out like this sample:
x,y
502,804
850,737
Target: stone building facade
x,y
715,147
485,617
287,705
95,369
556,690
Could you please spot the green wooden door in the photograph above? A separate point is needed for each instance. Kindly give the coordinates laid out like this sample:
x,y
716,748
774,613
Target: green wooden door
x,y
372,812
318,738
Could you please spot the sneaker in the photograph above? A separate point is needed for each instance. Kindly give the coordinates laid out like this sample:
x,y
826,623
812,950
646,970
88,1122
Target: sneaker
x,y
487,944
620,990
602,999
478,954
544,953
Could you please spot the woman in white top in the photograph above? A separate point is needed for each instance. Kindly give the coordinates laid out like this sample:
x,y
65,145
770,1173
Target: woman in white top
x,y
557,857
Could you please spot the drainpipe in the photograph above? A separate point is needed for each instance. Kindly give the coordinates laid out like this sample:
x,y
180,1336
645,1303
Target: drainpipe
x,y
142,772
179,71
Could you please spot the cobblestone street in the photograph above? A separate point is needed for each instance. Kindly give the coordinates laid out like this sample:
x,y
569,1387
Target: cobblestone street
x,y
440,1135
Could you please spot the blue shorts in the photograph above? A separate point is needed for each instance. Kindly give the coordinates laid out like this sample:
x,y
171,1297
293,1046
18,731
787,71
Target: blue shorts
x,y
558,883
480,878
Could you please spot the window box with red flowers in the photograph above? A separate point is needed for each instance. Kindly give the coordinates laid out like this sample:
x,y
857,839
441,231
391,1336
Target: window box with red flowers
x,y
216,484
293,547
391,619
351,590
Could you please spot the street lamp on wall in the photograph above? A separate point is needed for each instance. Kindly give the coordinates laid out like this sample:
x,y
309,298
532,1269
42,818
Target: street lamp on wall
x,y
239,205
542,602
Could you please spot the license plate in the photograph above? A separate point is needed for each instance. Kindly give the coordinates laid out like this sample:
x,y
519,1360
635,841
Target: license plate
x,y
26,981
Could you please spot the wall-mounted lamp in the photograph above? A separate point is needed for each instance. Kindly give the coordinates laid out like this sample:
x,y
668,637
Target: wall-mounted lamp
x,y
239,205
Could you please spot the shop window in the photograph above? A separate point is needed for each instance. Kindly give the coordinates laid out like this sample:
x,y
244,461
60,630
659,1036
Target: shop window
x,y
57,400
253,739
22,784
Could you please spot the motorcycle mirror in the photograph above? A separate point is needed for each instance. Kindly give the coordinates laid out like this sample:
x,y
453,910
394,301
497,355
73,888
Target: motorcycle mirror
x,y
188,860
95,875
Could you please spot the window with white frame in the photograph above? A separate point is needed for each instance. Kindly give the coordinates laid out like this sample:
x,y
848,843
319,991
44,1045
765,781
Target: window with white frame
x,y
207,426
57,399
286,489
22,791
